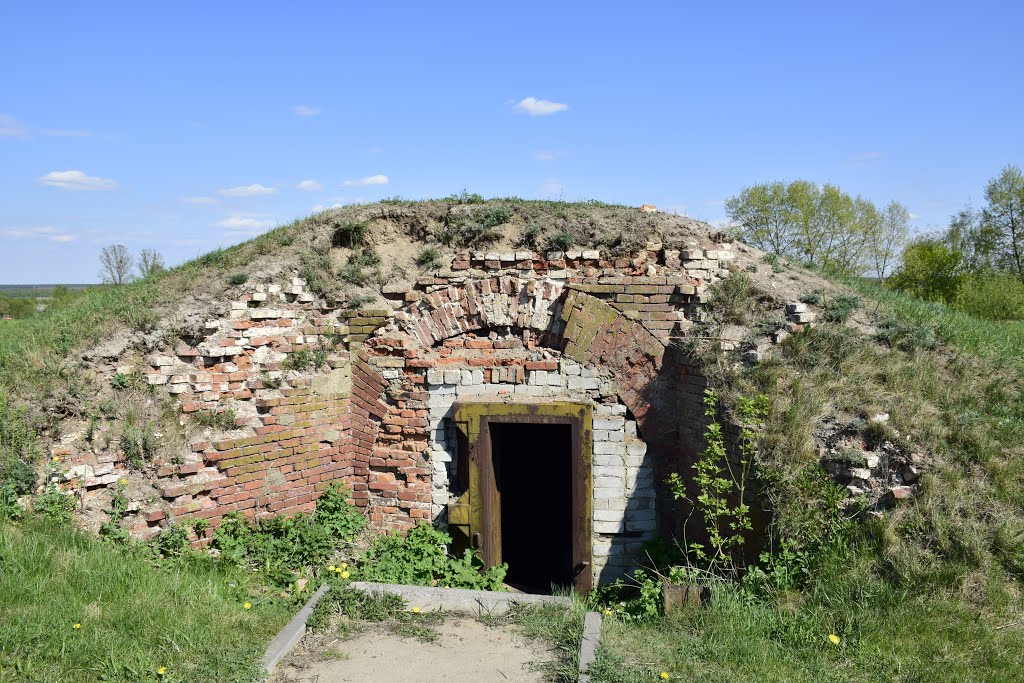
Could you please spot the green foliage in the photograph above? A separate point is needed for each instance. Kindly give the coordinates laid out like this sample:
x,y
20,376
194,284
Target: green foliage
x,y
460,233
238,279
139,444
839,309
494,216
812,298
19,453
531,236
284,547
361,267
821,227
317,271
429,257
932,270
638,600
466,197
112,530
993,296
420,559
121,381
305,358
219,419
733,298
562,240
55,504
721,486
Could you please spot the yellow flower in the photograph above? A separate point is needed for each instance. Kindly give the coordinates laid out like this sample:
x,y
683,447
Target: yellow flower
x,y
344,565
415,610
344,575
56,459
663,675
122,481
330,568
161,671
833,638
77,626
247,605
608,612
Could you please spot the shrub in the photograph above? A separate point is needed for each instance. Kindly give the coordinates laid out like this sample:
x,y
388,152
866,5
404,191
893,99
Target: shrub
x,y
531,236
994,296
732,298
561,241
429,257
238,279
466,197
494,216
420,559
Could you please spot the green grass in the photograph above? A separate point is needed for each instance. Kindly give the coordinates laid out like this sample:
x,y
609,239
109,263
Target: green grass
x,y
885,635
135,617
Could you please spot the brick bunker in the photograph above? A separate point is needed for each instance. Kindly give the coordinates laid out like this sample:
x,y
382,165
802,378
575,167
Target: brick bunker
x,y
530,402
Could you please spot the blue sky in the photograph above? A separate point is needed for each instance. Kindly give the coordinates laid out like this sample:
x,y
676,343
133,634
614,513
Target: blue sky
x,y
184,126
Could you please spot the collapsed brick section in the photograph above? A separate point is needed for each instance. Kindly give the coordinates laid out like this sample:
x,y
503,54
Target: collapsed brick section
x,y
523,326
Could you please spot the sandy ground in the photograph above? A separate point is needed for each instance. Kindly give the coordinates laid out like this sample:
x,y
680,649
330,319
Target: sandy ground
x,y
466,650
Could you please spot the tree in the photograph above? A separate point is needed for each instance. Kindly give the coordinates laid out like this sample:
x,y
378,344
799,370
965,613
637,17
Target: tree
x,y
821,227
886,244
115,265
931,270
150,262
1004,218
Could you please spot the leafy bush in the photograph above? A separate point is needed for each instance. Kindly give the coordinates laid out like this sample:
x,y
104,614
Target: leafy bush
x,y
494,216
931,270
55,504
19,452
561,241
531,236
466,197
732,298
993,296
420,559
238,279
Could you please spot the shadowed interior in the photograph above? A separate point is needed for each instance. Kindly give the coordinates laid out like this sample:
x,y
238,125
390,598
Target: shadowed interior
x,y
533,472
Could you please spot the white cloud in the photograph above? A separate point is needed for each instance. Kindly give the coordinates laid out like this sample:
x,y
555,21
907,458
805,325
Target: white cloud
x,y
306,111
246,223
547,155
254,190
49,233
320,207
913,216
77,181
67,133
309,186
369,180
199,201
10,128
552,187
535,107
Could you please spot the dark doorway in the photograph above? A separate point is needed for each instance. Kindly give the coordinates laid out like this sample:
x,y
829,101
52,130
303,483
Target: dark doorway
x,y
533,466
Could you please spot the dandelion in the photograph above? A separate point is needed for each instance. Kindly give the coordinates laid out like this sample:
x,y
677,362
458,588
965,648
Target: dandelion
x,y
415,610
247,605
344,575
608,613
77,626
344,565
56,459
833,638
122,481
663,675
330,568
161,671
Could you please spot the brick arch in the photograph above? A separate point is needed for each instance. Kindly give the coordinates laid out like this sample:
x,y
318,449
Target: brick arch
x,y
390,426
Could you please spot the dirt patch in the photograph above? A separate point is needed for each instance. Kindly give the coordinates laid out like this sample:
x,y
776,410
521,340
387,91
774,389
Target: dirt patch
x,y
465,650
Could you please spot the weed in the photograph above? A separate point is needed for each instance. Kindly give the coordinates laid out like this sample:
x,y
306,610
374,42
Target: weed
x,y
494,216
350,235
138,444
354,271
360,300
222,419
531,236
839,309
732,298
562,240
429,257
811,298
466,197
317,271
306,358
55,504
112,530
238,279
463,234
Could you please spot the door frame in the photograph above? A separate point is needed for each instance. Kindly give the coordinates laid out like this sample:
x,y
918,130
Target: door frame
x,y
477,513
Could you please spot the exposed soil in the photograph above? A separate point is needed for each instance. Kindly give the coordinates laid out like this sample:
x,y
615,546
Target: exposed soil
x,y
465,651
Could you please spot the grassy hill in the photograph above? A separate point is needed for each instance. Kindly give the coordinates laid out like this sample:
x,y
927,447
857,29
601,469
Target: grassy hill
x,y
929,589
